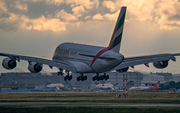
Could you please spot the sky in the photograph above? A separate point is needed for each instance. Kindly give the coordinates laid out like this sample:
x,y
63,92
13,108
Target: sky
x,y
37,27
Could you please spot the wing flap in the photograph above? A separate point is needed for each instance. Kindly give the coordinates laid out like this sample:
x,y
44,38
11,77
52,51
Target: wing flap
x,y
106,58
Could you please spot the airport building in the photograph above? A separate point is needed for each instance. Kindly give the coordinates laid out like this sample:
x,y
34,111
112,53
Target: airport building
x,y
152,78
14,87
115,78
40,79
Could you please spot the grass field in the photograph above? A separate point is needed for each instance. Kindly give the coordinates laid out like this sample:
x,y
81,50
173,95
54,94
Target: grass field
x,y
89,110
148,97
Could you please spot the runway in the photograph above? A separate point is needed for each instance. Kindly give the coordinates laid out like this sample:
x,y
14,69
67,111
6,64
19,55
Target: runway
x,y
43,104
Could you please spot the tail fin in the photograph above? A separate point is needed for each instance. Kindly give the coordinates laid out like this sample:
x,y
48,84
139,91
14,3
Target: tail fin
x,y
115,41
157,84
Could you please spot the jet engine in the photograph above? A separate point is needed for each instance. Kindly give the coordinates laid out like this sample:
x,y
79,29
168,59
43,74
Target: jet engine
x,y
161,64
34,67
8,63
123,70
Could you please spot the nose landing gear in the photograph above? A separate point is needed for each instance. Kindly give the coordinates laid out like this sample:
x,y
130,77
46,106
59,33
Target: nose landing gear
x,y
60,72
68,77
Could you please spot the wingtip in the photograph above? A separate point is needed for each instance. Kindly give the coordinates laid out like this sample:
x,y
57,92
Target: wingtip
x,y
124,7
176,54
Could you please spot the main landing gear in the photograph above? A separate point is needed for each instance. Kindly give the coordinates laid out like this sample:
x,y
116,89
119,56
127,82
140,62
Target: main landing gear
x,y
81,77
67,77
102,77
60,72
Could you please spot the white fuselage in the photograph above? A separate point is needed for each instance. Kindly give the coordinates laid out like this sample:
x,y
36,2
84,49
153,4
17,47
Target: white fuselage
x,y
139,88
75,55
105,86
56,85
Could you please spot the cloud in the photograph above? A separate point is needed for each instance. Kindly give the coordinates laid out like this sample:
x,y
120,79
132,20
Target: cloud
x,y
140,10
110,5
165,10
10,23
55,2
111,17
65,16
165,14
3,7
40,24
33,0
97,17
157,11
22,7
88,4
78,11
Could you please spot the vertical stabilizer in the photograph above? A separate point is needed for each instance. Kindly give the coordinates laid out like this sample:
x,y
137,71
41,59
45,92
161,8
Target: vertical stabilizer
x,y
157,84
115,41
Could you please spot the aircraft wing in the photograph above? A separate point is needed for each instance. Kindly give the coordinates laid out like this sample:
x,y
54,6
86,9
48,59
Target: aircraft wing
x,y
51,63
133,61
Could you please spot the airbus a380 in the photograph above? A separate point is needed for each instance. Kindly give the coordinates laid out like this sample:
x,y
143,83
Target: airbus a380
x,y
80,58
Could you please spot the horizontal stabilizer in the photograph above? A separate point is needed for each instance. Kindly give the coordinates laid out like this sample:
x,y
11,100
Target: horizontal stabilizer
x,y
105,58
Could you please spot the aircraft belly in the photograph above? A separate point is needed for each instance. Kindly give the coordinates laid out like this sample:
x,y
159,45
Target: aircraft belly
x,y
100,66
81,67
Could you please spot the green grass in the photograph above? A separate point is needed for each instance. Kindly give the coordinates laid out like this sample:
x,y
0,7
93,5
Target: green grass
x,y
8,109
148,97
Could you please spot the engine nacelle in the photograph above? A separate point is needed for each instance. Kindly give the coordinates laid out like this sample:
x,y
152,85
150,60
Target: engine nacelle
x,y
34,67
161,64
123,70
8,63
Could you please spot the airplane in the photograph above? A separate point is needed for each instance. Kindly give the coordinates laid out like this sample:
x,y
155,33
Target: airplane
x,y
139,88
156,86
56,85
105,86
145,87
82,59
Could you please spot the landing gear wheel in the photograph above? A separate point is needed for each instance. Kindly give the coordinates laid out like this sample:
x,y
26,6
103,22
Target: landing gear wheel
x,y
81,77
78,78
69,77
107,77
98,78
65,78
84,78
94,78
104,77
60,73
